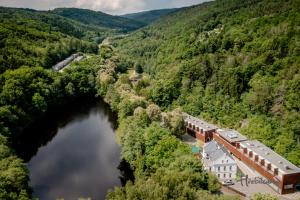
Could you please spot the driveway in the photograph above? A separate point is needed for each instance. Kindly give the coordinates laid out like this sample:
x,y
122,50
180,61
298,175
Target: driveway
x,y
252,189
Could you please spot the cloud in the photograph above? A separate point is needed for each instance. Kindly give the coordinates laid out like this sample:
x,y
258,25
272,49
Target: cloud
x,y
108,6
112,6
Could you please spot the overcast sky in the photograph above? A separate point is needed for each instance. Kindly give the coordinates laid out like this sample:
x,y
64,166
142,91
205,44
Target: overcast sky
x,y
108,6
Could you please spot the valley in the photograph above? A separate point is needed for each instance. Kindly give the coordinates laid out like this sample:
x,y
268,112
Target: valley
x,y
233,64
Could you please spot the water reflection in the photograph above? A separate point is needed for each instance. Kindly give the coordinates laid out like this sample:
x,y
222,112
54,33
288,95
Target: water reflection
x,y
74,155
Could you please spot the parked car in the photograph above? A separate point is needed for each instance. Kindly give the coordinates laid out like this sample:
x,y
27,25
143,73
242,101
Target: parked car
x,y
228,182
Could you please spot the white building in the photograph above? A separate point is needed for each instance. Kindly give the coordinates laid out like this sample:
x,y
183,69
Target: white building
x,y
218,161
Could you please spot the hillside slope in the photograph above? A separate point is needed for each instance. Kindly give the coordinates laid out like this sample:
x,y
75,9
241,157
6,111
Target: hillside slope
x,y
30,40
233,63
148,17
34,38
99,19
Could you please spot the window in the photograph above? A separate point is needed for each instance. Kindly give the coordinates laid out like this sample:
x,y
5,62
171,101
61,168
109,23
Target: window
x,y
229,175
224,168
230,168
218,168
290,186
224,175
218,175
210,169
276,171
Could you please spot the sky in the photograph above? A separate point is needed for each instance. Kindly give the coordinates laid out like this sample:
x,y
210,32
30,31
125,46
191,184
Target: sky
x,y
109,6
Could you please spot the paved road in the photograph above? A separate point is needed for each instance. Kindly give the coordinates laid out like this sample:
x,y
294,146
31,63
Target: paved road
x,y
252,189
229,192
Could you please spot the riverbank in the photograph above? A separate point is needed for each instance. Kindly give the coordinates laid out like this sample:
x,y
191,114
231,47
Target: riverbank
x,y
73,155
150,142
26,95
44,129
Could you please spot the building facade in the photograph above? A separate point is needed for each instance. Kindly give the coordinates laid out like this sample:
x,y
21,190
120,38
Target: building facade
x,y
283,175
199,129
218,161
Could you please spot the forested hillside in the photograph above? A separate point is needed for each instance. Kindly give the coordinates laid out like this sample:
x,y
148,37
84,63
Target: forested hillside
x,y
234,63
33,38
30,42
26,95
97,18
148,17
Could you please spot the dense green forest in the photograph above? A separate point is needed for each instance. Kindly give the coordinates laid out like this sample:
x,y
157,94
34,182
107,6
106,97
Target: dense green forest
x,y
37,38
26,94
30,42
99,19
164,167
28,91
33,38
148,17
233,63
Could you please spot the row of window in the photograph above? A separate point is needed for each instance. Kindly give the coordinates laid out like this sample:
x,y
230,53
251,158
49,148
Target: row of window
x,y
195,128
224,175
224,168
260,161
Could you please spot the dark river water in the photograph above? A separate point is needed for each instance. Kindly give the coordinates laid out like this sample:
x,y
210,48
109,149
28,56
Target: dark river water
x,y
74,154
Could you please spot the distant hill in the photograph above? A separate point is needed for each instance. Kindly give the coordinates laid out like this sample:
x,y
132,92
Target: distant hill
x,y
42,38
97,18
35,38
149,16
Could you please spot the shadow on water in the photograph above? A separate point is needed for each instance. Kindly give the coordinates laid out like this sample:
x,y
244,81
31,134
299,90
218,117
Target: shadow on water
x,y
45,129
72,153
126,172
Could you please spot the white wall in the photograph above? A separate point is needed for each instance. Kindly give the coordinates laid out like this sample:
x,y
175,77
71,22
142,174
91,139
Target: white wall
x,y
227,173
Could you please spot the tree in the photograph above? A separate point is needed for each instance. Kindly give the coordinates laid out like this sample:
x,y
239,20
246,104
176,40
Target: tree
x,y
154,112
70,89
153,134
13,177
164,152
164,92
138,68
174,122
260,95
39,102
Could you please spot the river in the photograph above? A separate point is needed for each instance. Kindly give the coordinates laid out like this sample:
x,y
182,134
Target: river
x,y
73,153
